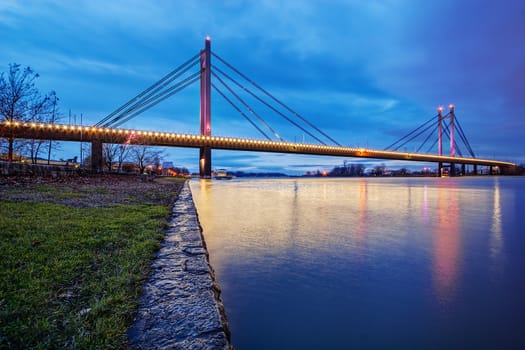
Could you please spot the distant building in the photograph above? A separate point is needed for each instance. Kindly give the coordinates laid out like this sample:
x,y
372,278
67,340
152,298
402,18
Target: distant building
x,y
168,169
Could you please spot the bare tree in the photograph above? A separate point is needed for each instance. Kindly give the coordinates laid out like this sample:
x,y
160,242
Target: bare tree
x,y
116,153
109,154
18,97
145,155
122,155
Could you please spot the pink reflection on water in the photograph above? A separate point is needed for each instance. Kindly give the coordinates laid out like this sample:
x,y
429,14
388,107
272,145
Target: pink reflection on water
x,y
447,245
425,205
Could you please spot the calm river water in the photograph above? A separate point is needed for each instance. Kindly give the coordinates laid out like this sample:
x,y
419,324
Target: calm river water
x,y
386,263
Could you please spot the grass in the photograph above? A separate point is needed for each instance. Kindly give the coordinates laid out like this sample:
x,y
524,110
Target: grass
x,y
70,277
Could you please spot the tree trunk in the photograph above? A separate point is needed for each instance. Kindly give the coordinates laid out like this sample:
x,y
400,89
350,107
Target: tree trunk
x,y
10,150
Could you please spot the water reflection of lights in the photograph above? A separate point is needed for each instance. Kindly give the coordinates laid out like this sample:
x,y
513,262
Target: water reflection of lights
x,y
425,204
447,245
362,209
496,240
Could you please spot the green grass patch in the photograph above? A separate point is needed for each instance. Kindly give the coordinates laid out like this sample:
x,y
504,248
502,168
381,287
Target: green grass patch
x,y
71,277
64,195
44,188
96,190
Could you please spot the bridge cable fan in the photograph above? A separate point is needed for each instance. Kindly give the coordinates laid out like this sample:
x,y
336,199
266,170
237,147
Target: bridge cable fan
x,y
240,111
247,106
161,97
267,104
294,113
163,82
390,147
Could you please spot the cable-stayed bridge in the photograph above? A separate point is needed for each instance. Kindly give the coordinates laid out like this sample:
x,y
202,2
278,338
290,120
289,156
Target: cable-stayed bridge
x,y
236,88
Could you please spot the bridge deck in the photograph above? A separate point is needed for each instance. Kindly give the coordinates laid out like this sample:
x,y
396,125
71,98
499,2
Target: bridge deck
x,y
61,132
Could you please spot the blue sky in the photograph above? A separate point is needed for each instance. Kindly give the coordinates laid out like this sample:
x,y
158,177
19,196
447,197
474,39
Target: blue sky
x,y
365,72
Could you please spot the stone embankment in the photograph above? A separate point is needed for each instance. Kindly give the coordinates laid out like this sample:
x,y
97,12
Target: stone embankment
x,y
181,306
27,169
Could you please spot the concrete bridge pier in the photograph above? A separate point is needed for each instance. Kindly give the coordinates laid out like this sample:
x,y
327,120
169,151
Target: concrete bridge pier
x,y
452,169
205,162
96,156
440,169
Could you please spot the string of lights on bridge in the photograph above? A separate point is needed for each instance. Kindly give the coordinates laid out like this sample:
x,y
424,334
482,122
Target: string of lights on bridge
x,y
79,133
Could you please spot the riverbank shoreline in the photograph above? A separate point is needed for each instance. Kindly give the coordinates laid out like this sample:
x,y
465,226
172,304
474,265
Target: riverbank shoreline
x,y
75,254
181,305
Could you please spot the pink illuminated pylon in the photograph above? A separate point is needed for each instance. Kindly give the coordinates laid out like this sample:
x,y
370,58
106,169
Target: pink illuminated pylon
x,y
205,113
440,131
452,149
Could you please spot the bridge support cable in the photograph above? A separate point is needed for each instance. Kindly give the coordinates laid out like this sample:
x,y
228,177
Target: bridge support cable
x,y
464,138
413,135
154,100
425,141
268,105
390,147
446,130
429,150
240,111
160,97
279,102
246,105
154,95
429,127
149,89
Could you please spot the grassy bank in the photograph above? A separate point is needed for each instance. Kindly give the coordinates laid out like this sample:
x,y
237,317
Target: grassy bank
x,y
74,256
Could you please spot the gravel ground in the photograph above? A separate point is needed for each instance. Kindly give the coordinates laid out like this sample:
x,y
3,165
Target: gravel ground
x,y
89,191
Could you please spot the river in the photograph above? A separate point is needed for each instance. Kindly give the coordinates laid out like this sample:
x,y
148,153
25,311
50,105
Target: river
x,y
368,263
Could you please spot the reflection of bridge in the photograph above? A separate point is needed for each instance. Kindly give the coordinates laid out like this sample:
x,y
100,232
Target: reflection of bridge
x,y
106,130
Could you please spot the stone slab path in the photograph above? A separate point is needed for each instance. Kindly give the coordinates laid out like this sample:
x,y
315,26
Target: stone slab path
x,y
181,307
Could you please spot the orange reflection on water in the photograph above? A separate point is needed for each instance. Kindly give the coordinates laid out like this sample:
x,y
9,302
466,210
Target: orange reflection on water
x,y
362,209
447,245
